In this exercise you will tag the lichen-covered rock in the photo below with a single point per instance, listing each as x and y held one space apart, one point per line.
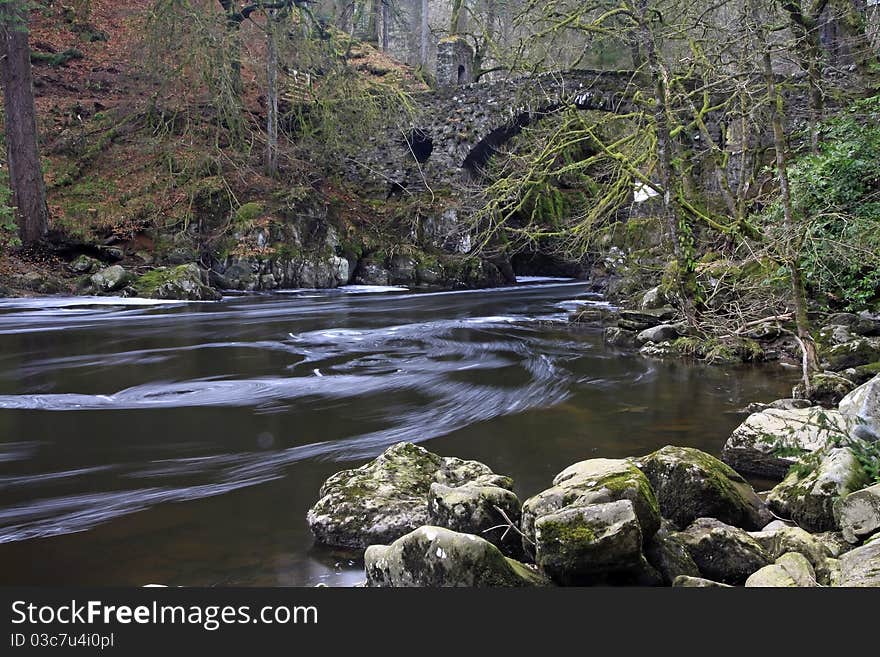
669 556
684 581
691 484
584 544
110 279
852 354
858 514
481 507
863 403
792 569
770 441
594 481
861 567
386 498
439 557
722 552
782 540
184 282
808 493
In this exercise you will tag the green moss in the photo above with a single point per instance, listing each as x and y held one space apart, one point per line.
248 212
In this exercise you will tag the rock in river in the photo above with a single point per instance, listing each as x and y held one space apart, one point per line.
858 514
594 481
790 570
769 442
388 497
723 553
861 567
863 403
435 557
691 484
808 493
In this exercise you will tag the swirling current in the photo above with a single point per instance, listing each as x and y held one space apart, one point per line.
182 443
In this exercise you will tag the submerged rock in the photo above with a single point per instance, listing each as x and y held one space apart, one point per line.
438 557
182 282
790 570
595 481
722 552
692 484
858 514
808 493
388 497
579 544
769 442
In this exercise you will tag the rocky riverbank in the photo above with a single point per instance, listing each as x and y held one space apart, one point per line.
675 517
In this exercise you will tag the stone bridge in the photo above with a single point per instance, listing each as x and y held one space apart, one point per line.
458 128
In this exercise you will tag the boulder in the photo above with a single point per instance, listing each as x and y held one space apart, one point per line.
619 337
182 282
388 497
438 557
370 272
858 514
402 270
808 493
769 442
669 556
790 570
684 581
110 279
480 507
785 539
639 320
656 334
826 388
863 403
860 351
83 264
722 552
594 481
653 299
588 544
861 567
691 484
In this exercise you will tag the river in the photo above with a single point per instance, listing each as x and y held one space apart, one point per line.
182 443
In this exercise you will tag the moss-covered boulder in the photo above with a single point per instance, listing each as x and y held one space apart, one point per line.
84 264
722 552
595 481
388 497
110 279
861 567
826 389
769 442
852 354
784 539
790 570
185 282
596 543
482 507
438 557
858 514
863 404
808 493
691 484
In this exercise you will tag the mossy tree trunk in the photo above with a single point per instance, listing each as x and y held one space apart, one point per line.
23 156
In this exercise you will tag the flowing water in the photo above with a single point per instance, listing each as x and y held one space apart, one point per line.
182 443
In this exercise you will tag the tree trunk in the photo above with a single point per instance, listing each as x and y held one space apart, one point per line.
792 236
23 157
425 35
271 94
